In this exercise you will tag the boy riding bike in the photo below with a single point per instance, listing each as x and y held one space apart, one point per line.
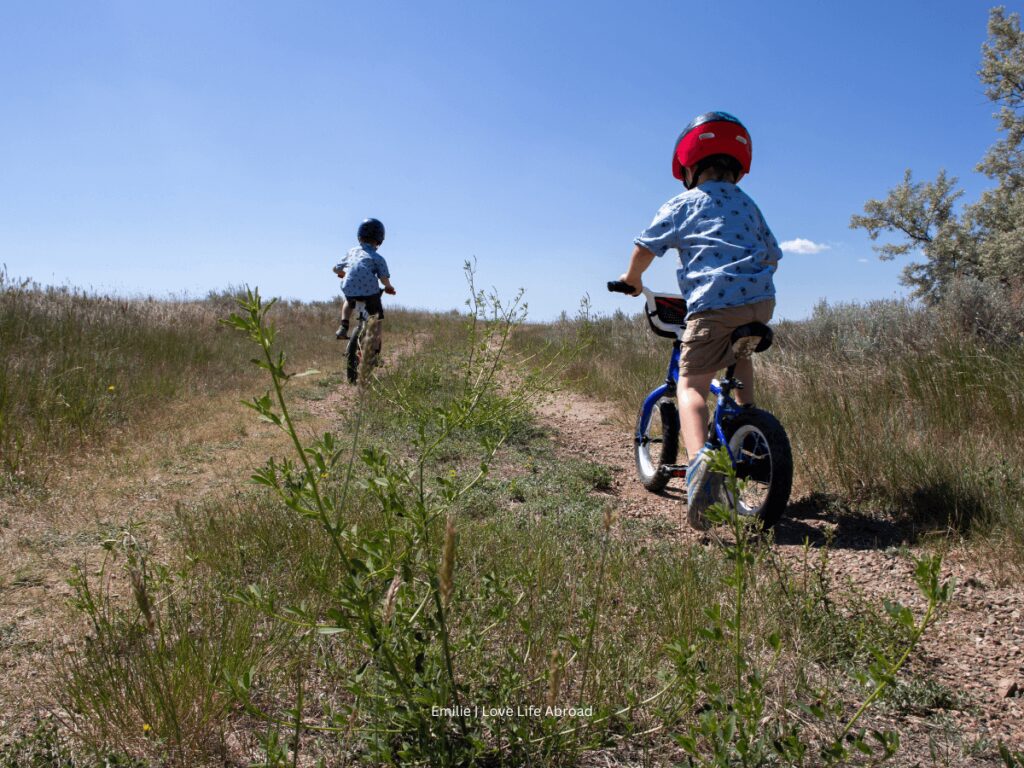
360 270
727 256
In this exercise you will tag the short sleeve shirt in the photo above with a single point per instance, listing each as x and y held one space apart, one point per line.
727 254
363 267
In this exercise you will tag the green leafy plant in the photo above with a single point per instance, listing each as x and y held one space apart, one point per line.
396 582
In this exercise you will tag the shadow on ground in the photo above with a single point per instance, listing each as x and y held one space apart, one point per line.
822 519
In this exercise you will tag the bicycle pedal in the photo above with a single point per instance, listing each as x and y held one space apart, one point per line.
673 470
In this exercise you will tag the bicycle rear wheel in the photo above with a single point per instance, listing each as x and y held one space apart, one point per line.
658 443
764 460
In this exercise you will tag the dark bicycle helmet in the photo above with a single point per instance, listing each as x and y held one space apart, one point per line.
710 134
371 230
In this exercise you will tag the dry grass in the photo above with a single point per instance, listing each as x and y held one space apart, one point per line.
189 453
78 369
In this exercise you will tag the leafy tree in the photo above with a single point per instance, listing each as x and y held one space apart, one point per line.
985 242
1002 73
997 219
922 213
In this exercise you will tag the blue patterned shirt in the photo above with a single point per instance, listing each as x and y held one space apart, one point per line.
727 254
363 266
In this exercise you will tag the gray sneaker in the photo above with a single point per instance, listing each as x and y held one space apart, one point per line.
699 491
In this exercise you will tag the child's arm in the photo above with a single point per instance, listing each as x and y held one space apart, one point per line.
384 275
638 264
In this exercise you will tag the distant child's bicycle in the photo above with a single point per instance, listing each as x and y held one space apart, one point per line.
358 342
755 440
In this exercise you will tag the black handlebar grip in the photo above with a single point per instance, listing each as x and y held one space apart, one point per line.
617 286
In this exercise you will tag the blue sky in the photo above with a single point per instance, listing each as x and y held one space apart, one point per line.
167 148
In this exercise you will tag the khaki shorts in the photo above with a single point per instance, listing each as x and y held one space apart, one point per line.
707 343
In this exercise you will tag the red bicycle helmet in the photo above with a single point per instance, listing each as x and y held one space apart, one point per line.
713 133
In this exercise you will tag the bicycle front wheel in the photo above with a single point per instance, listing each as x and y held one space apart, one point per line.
657 443
764 460
353 354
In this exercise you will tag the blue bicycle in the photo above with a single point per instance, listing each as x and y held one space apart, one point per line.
755 440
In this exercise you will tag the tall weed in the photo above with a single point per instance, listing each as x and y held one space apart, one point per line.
396 583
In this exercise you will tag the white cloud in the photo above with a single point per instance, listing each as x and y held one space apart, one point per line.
802 245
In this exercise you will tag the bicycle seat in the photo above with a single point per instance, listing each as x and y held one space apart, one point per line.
751 338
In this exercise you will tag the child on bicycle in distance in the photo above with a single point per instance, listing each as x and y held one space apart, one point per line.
360 270
727 256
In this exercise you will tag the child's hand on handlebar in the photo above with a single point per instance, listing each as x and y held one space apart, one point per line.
633 281
390 290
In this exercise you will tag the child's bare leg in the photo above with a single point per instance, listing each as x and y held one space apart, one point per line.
693 410
346 311
745 373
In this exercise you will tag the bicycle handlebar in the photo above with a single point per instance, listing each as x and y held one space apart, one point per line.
617 286
659 326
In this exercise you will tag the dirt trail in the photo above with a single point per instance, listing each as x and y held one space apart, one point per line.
976 649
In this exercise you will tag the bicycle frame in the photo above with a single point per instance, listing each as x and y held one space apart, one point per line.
725 405
361 311
358 342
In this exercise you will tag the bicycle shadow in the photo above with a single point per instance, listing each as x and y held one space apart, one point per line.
673 494
823 520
